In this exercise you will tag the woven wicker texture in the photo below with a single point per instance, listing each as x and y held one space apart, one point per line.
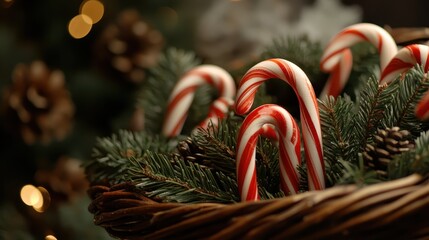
397 209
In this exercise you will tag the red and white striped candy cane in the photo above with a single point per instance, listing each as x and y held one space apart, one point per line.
309 110
405 59
337 58
274 118
340 73
184 91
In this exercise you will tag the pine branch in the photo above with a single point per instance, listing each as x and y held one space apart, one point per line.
338 137
110 155
155 93
218 144
170 179
372 101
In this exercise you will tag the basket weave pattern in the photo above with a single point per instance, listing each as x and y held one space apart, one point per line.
396 209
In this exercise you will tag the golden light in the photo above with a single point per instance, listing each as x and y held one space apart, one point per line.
50 237
37 197
93 9
80 26
43 204
30 195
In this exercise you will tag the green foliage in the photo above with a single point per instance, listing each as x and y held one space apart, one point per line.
347 125
169 178
336 117
372 102
110 154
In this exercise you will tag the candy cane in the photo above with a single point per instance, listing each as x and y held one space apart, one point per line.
184 91
276 118
340 73
338 62
309 110
405 59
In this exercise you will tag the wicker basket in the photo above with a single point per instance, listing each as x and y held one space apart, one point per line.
397 209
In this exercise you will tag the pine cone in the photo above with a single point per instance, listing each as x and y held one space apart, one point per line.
37 104
387 144
128 47
190 151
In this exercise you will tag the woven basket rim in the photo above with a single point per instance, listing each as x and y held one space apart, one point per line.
396 209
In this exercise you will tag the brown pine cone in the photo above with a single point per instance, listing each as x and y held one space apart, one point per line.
37 105
387 143
129 46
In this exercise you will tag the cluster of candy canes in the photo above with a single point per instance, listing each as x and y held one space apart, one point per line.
337 57
309 111
184 91
275 122
262 122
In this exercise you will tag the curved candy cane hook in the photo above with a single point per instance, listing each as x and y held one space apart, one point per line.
309 110
405 59
337 58
184 91
272 118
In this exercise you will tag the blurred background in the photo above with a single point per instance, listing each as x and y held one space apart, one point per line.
70 72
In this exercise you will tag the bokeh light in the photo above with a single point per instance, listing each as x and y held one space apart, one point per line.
30 195
80 26
93 9
50 237
36 197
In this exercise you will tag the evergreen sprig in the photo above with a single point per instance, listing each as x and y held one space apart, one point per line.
336 117
372 101
168 178
110 154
